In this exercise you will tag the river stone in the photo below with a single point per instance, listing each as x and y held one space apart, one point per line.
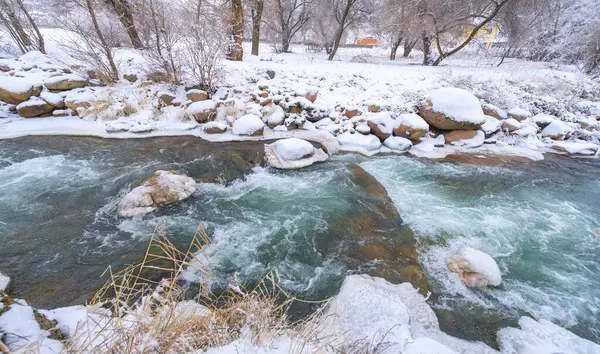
34 108
163 188
475 268
12 96
458 135
64 83
374 234
196 95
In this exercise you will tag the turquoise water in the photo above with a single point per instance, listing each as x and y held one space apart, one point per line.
539 221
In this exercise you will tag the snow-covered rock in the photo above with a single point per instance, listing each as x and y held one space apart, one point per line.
576 148
203 111
494 111
15 90
465 138
293 153
65 82
475 268
381 125
214 128
371 310
359 142
34 107
542 337
397 143
293 149
556 130
519 113
452 109
54 99
411 126
511 124
248 125
195 95
163 188
491 125
276 117
543 120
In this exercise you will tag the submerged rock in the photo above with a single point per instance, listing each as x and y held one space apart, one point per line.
475 268
163 188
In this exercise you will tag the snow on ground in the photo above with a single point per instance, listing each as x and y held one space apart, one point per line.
562 94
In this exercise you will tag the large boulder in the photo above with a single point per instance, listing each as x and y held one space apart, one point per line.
511 125
163 188
14 90
248 125
411 126
381 125
35 107
65 82
475 268
452 109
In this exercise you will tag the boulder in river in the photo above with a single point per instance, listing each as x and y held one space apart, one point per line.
163 188
452 109
475 268
293 153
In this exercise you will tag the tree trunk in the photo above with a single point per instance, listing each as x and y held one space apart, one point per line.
125 13
256 22
105 46
236 50
40 38
408 47
395 46
340 33
427 59
285 42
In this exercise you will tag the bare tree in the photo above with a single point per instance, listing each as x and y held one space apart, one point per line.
257 13
346 13
480 13
24 31
125 13
91 36
236 50
289 17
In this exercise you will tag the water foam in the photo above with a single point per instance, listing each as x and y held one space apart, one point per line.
540 235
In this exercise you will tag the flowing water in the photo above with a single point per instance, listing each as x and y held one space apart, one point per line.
540 221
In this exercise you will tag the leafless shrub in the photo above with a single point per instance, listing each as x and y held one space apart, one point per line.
91 35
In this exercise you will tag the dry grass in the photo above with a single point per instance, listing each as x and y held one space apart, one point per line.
142 309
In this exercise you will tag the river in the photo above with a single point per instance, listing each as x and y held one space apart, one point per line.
540 221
